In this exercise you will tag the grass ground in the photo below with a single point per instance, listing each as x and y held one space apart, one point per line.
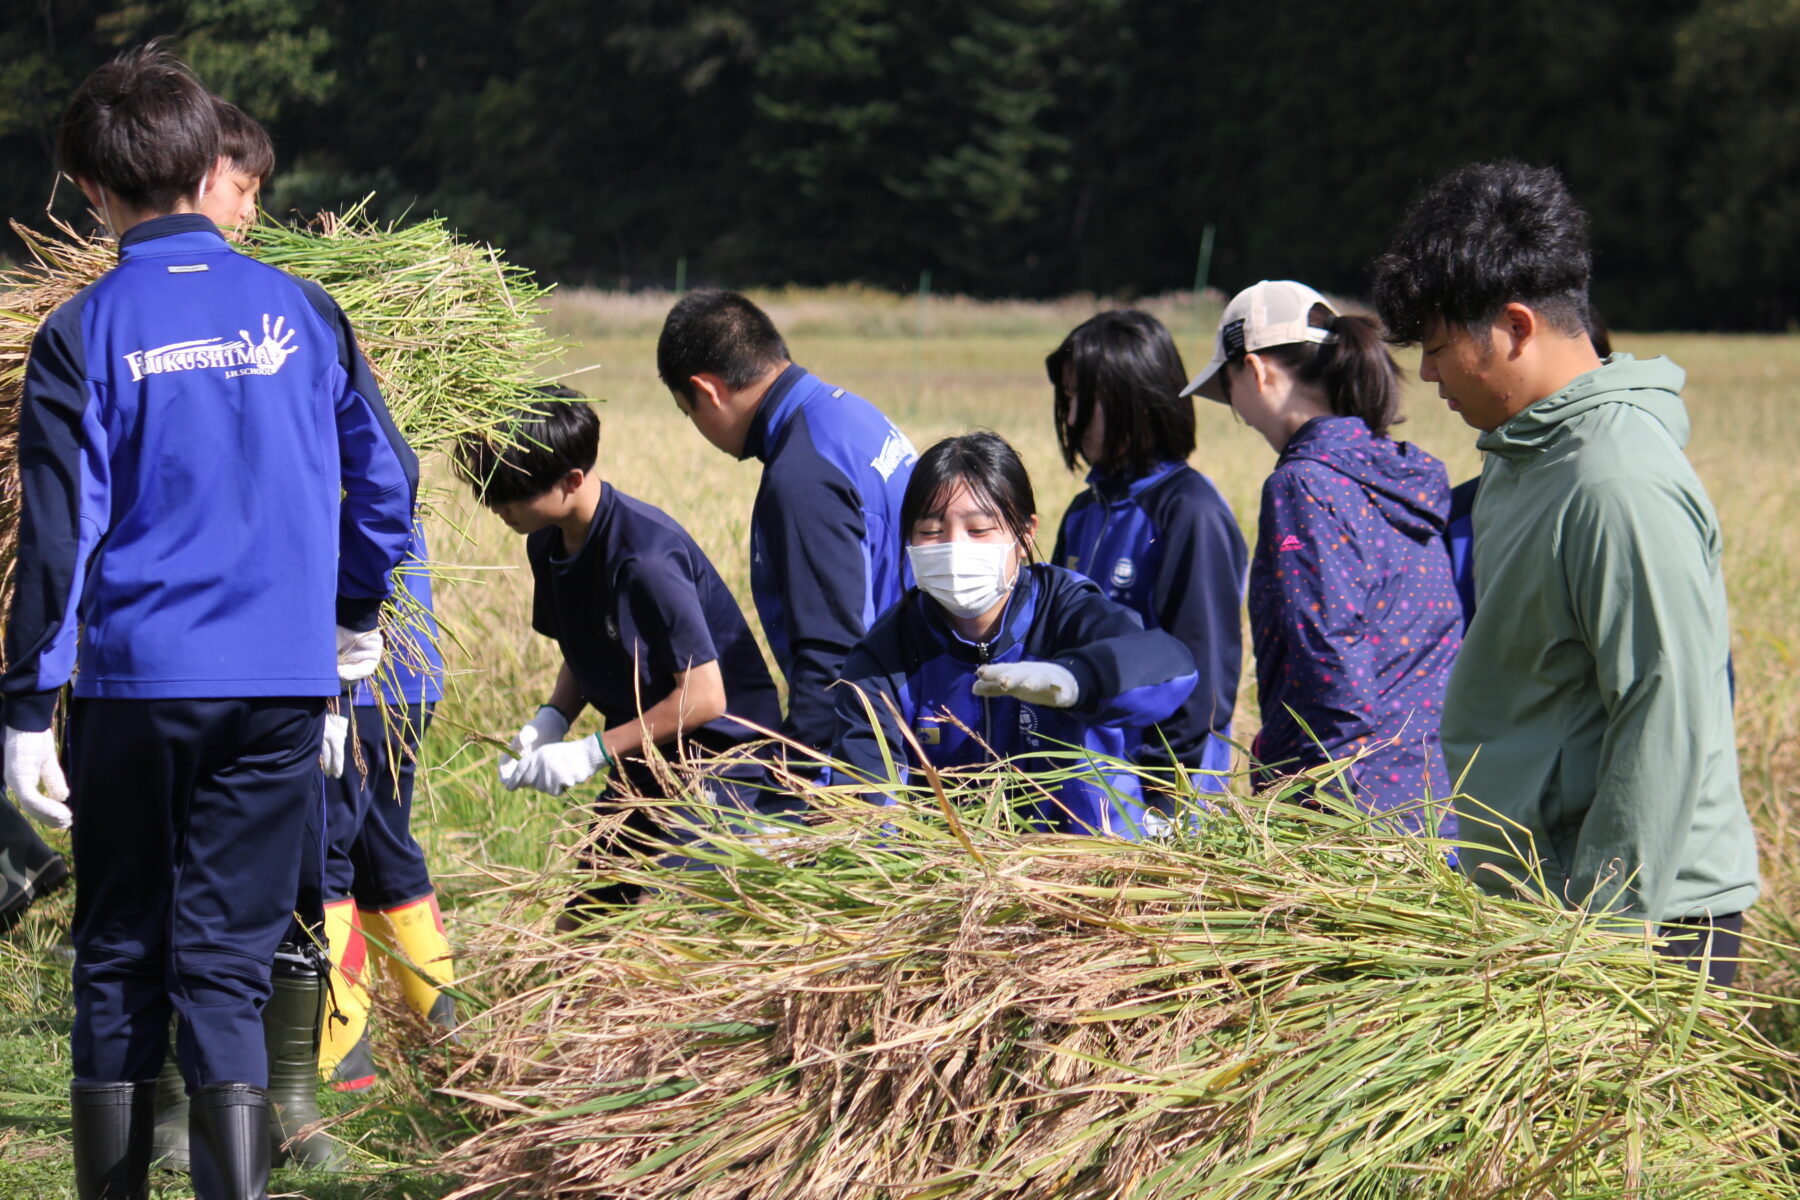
975 366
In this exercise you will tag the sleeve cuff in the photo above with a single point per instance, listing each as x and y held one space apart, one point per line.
357 614
32 712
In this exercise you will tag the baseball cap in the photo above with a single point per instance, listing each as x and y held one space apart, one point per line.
1271 313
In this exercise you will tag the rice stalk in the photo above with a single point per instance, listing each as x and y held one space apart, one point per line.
1274 1002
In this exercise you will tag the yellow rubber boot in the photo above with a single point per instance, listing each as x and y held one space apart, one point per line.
347 1009
421 958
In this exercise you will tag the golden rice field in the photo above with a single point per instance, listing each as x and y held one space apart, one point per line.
974 366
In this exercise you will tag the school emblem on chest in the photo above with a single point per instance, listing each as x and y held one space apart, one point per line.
1028 725
1123 572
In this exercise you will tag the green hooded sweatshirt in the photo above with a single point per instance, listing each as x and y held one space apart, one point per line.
1590 706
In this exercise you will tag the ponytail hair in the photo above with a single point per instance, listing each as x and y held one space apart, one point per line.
1359 376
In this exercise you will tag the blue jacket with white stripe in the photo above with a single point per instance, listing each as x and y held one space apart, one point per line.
1128 677
210 481
825 541
1167 546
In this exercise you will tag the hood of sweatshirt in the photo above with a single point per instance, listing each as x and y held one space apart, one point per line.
1408 486
1652 385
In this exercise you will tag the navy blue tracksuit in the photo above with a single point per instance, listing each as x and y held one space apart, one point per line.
211 482
1128 677
371 853
638 603
826 547
1167 546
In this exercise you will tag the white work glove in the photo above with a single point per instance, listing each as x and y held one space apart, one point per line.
31 761
358 654
557 767
549 725
337 736
1033 682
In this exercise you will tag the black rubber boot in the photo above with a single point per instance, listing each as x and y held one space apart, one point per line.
169 1140
443 1015
291 1024
111 1127
228 1142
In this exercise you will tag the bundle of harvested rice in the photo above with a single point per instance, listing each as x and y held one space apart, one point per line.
1285 1003
449 327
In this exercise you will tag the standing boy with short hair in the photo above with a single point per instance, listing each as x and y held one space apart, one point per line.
1589 705
247 159
825 541
650 635
213 498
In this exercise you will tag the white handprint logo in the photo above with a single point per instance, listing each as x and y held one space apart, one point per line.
246 356
273 350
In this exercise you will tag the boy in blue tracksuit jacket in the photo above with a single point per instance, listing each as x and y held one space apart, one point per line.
965 683
213 498
1154 533
825 546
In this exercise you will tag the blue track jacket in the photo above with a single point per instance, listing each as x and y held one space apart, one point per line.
412 667
825 540
210 482
1459 536
1354 612
1129 677
1166 546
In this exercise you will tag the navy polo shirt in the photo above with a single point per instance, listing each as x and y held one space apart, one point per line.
638 603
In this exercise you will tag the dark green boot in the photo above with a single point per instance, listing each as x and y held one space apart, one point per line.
169 1140
110 1124
228 1141
291 1024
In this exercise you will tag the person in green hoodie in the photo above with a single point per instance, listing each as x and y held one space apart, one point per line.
1588 712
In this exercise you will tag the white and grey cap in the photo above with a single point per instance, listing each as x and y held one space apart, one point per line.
1275 312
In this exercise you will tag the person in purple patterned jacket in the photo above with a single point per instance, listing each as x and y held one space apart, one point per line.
1353 606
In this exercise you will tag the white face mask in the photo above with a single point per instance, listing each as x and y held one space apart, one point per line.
967 578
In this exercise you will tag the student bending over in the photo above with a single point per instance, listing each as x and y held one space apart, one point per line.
650 635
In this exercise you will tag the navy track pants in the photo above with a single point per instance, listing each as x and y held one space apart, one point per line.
188 814
371 853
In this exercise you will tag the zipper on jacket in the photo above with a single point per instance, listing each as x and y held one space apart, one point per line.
987 712
1093 557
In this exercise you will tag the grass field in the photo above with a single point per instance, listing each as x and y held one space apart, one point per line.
975 366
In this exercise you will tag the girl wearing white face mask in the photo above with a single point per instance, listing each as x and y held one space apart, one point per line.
993 655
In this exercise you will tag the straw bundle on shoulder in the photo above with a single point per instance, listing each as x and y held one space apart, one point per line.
1287 1004
449 327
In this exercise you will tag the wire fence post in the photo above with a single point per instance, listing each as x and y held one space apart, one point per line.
919 341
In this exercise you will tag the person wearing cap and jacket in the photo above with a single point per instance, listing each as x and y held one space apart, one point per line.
1353 608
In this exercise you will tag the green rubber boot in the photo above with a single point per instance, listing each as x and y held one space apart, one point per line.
291 1025
169 1140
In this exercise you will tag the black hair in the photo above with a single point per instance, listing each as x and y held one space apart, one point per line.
548 439
717 333
993 473
1485 236
1126 365
244 142
1354 368
142 128
1598 333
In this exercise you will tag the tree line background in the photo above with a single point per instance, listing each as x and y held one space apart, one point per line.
1011 147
